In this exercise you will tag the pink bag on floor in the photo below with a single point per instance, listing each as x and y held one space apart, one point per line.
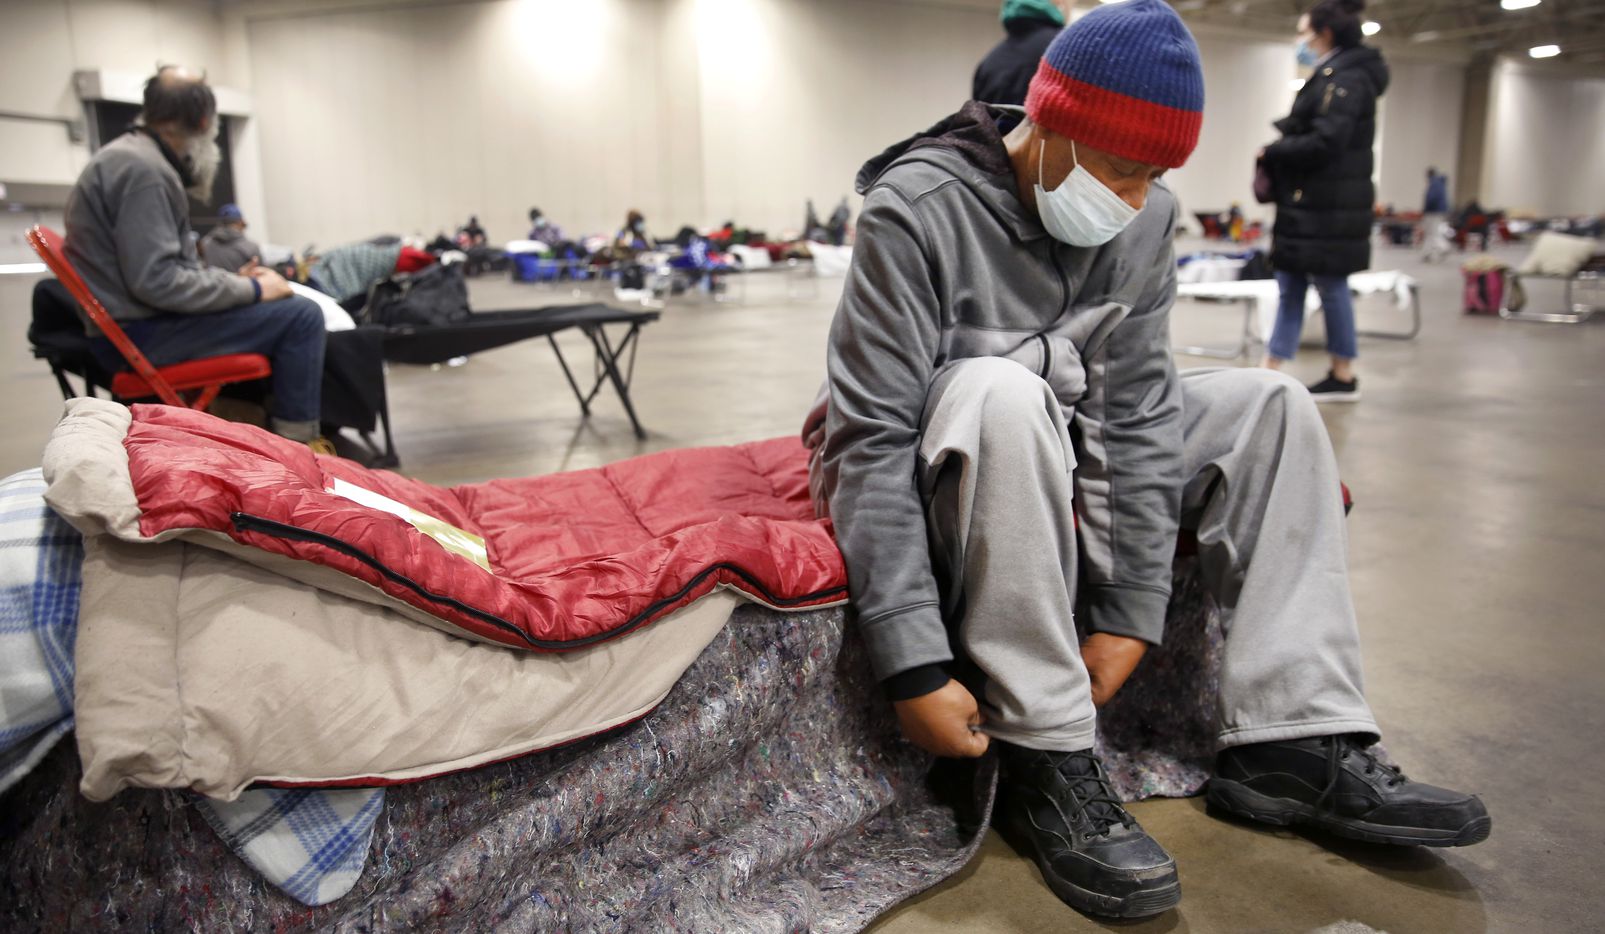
1485 289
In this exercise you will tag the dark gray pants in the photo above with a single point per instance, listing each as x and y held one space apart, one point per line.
996 469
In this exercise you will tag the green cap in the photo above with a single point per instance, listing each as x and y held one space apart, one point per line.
1041 9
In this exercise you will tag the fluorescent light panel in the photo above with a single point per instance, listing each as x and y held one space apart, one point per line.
1370 27
1518 4
20 269
1544 51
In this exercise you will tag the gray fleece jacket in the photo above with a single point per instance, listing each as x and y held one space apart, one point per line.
227 248
950 264
128 237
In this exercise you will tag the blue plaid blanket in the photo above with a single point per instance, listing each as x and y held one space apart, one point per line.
40 558
310 843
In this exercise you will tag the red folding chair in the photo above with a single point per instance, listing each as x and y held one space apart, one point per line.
202 378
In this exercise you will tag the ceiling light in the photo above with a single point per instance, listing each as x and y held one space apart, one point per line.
1297 84
1426 35
1370 27
1518 4
1544 51
21 269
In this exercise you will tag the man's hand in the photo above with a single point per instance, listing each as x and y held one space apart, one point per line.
940 722
1110 660
273 285
250 268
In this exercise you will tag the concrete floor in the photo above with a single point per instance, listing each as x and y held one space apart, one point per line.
1475 459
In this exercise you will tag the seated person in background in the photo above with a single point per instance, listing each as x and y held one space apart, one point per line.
1472 219
632 238
836 227
473 241
471 234
128 236
226 246
999 368
544 230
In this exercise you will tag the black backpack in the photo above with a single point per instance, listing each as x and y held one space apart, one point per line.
1257 267
434 295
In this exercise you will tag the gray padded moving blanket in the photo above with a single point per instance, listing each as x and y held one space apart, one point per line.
769 792
765 794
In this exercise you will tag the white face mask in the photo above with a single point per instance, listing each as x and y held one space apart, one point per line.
1082 211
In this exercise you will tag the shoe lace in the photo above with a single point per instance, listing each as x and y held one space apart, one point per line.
1091 796
1339 749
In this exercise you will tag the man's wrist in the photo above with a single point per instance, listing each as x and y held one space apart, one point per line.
914 682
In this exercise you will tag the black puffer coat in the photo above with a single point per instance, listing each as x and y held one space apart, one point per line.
1321 167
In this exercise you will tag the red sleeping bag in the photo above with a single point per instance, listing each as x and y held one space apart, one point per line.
546 563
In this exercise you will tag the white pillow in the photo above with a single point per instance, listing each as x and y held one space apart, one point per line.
1558 254
335 318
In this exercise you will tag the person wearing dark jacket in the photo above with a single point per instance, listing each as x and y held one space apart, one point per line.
1004 75
1434 214
1002 433
1321 172
226 246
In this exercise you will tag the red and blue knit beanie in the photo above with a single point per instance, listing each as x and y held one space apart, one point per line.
1125 79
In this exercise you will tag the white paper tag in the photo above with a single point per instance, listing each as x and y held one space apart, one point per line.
455 540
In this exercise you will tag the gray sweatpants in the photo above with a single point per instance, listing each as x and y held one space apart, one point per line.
995 469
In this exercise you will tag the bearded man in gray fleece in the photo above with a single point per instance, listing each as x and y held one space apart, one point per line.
1004 433
128 236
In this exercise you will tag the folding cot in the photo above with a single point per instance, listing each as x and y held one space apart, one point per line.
1258 298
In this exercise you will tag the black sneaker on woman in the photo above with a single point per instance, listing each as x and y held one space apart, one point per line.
1333 389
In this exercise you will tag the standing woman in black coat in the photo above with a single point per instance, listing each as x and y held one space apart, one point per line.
1321 172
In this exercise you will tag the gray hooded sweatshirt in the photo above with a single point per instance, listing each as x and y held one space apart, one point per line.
128 237
949 264
228 248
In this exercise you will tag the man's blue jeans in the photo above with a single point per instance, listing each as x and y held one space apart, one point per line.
1335 304
289 332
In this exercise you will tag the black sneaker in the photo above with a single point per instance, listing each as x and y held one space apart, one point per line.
1337 784
1333 389
1092 854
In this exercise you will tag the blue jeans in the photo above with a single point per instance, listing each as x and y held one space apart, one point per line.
289 332
1335 304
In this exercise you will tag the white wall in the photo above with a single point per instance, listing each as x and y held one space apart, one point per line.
408 119
1546 142
796 96
43 41
1418 127
407 115
1247 85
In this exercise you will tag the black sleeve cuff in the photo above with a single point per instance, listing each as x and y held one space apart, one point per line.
915 682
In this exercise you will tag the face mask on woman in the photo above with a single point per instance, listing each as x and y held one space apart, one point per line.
1306 55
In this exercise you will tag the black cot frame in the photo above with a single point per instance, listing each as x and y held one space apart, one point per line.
614 362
